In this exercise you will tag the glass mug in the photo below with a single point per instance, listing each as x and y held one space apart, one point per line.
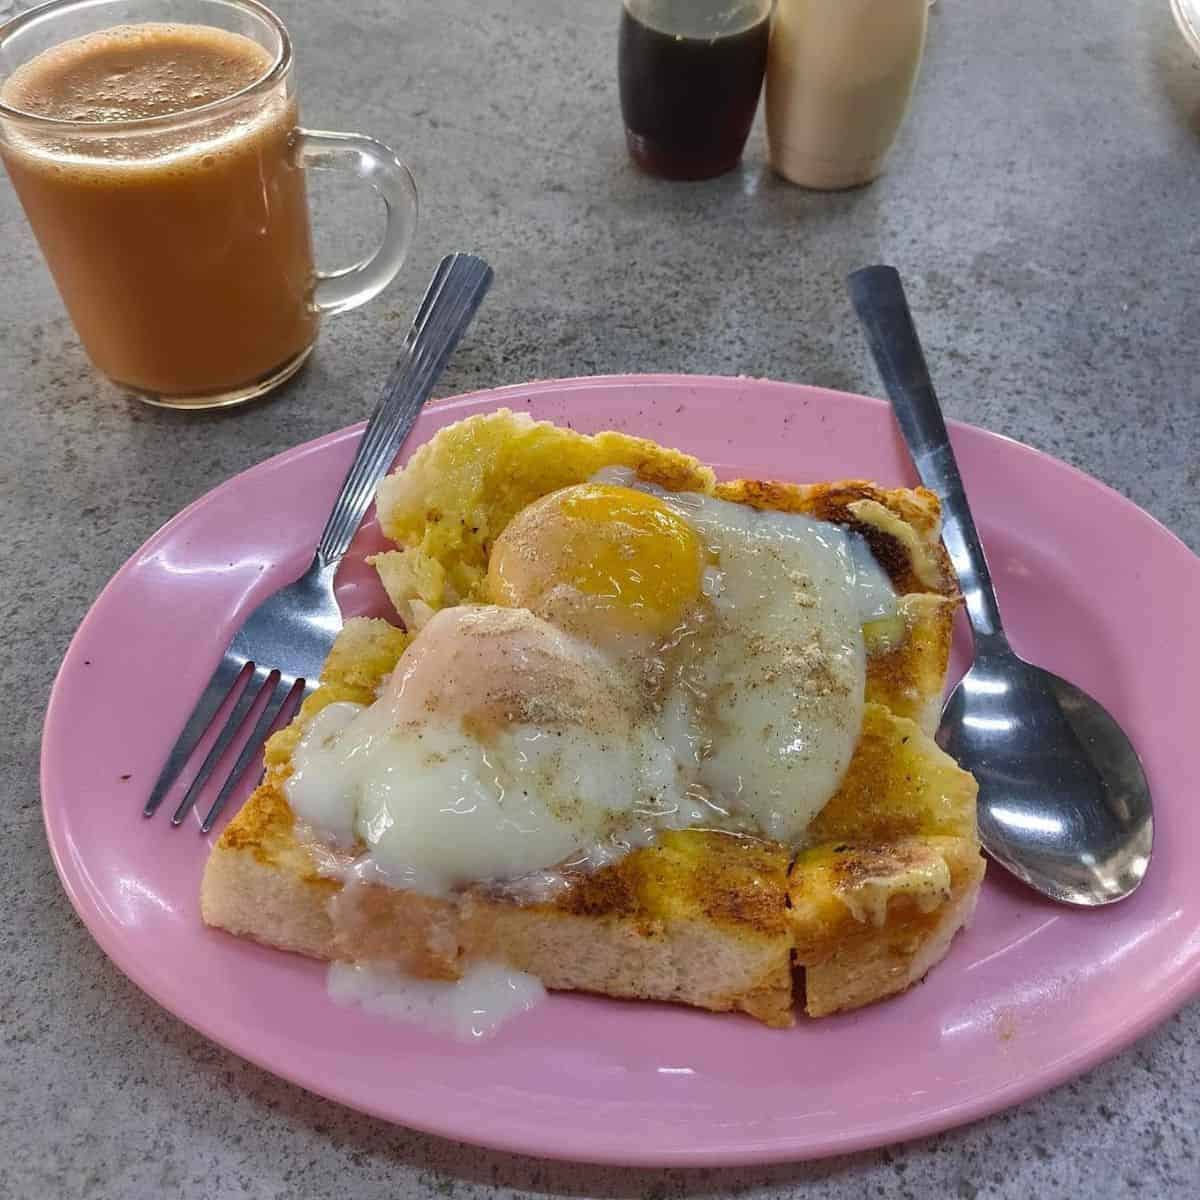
155 149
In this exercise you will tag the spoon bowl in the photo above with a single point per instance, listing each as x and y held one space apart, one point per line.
1063 800
1065 803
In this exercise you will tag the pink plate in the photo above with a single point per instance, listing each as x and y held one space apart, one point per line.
1031 995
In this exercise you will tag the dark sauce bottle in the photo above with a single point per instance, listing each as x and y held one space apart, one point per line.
690 74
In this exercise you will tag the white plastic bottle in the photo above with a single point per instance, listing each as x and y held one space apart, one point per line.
839 77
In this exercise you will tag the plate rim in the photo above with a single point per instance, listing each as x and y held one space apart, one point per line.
1187 17
740 1152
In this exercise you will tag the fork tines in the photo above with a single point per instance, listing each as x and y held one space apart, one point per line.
296 625
250 683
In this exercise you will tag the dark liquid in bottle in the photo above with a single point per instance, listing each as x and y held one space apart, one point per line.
688 102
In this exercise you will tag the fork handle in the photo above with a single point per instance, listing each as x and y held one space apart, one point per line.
454 295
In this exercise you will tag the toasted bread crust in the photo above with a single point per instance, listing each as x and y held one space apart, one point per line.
651 926
852 964
901 525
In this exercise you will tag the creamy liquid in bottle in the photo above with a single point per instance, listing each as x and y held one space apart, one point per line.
839 77
183 253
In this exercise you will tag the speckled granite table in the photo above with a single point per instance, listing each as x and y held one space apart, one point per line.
1042 203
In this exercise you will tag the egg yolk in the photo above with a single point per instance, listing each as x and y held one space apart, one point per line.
597 557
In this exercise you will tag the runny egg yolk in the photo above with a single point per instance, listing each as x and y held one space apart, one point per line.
600 560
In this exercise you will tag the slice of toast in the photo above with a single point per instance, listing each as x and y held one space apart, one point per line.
892 864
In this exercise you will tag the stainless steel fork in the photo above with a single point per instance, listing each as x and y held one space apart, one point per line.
280 648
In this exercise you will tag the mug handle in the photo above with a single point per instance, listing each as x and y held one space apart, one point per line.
385 171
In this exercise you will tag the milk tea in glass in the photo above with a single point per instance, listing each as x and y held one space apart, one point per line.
155 148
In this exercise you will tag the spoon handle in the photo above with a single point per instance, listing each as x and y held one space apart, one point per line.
878 298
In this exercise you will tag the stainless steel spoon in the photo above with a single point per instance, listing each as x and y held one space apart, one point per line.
1063 800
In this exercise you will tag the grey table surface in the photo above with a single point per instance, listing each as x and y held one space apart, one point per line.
1042 204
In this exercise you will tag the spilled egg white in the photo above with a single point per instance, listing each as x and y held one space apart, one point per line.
652 661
